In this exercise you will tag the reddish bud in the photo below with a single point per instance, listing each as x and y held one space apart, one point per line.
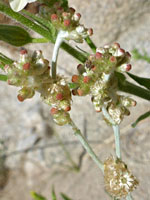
75 78
49 67
112 59
53 111
98 55
26 66
128 67
20 98
72 10
100 110
66 22
86 79
65 14
90 31
134 103
93 67
59 96
9 82
74 92
116 45
68 108
122 51
128 54
80 92
78 14
54 17
23 51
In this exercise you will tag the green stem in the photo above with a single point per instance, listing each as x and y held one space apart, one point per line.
91 44
3 77
73 52
130 88
86 145
117 140
39 40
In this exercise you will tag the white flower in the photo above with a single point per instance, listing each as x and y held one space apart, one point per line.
18 5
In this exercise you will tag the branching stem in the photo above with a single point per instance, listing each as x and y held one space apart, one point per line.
86 145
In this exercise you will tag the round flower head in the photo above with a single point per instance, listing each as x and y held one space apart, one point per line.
31 73
97 78
119 181
66 20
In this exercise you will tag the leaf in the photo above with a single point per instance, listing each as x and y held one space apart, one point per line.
37 196
142 117
50 3
53 194
142 81
5 59
3 77
65 197
14 35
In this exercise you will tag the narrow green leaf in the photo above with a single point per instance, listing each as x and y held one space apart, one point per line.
50 3
54 194
14 35
142 117
126 86
25 21
3 77
37 196
5 59
65 197
142 81
91 44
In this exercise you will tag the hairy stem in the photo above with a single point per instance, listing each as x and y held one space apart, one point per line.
86 145
116 131
117 140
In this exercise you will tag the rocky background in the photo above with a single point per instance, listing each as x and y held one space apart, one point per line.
34 146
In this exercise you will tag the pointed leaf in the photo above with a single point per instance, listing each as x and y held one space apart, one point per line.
65 197
37 196
3 77
142 117
142 81
14 35
54 194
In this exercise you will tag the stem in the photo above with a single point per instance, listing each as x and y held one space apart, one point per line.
91 44
129 197
116 131
117 140
58 43
39 40
86 145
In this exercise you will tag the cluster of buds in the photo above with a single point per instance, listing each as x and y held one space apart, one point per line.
119 181
31 73
66 20
97 78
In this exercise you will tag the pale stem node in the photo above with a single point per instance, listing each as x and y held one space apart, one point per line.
60 37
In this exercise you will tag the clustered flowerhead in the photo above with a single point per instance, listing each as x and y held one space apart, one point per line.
97 78
66 20
119 181
31 73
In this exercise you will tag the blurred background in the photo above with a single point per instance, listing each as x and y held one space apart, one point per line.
38 153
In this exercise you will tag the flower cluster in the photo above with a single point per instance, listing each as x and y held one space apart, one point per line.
66 20
119 181
97 78
31 73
